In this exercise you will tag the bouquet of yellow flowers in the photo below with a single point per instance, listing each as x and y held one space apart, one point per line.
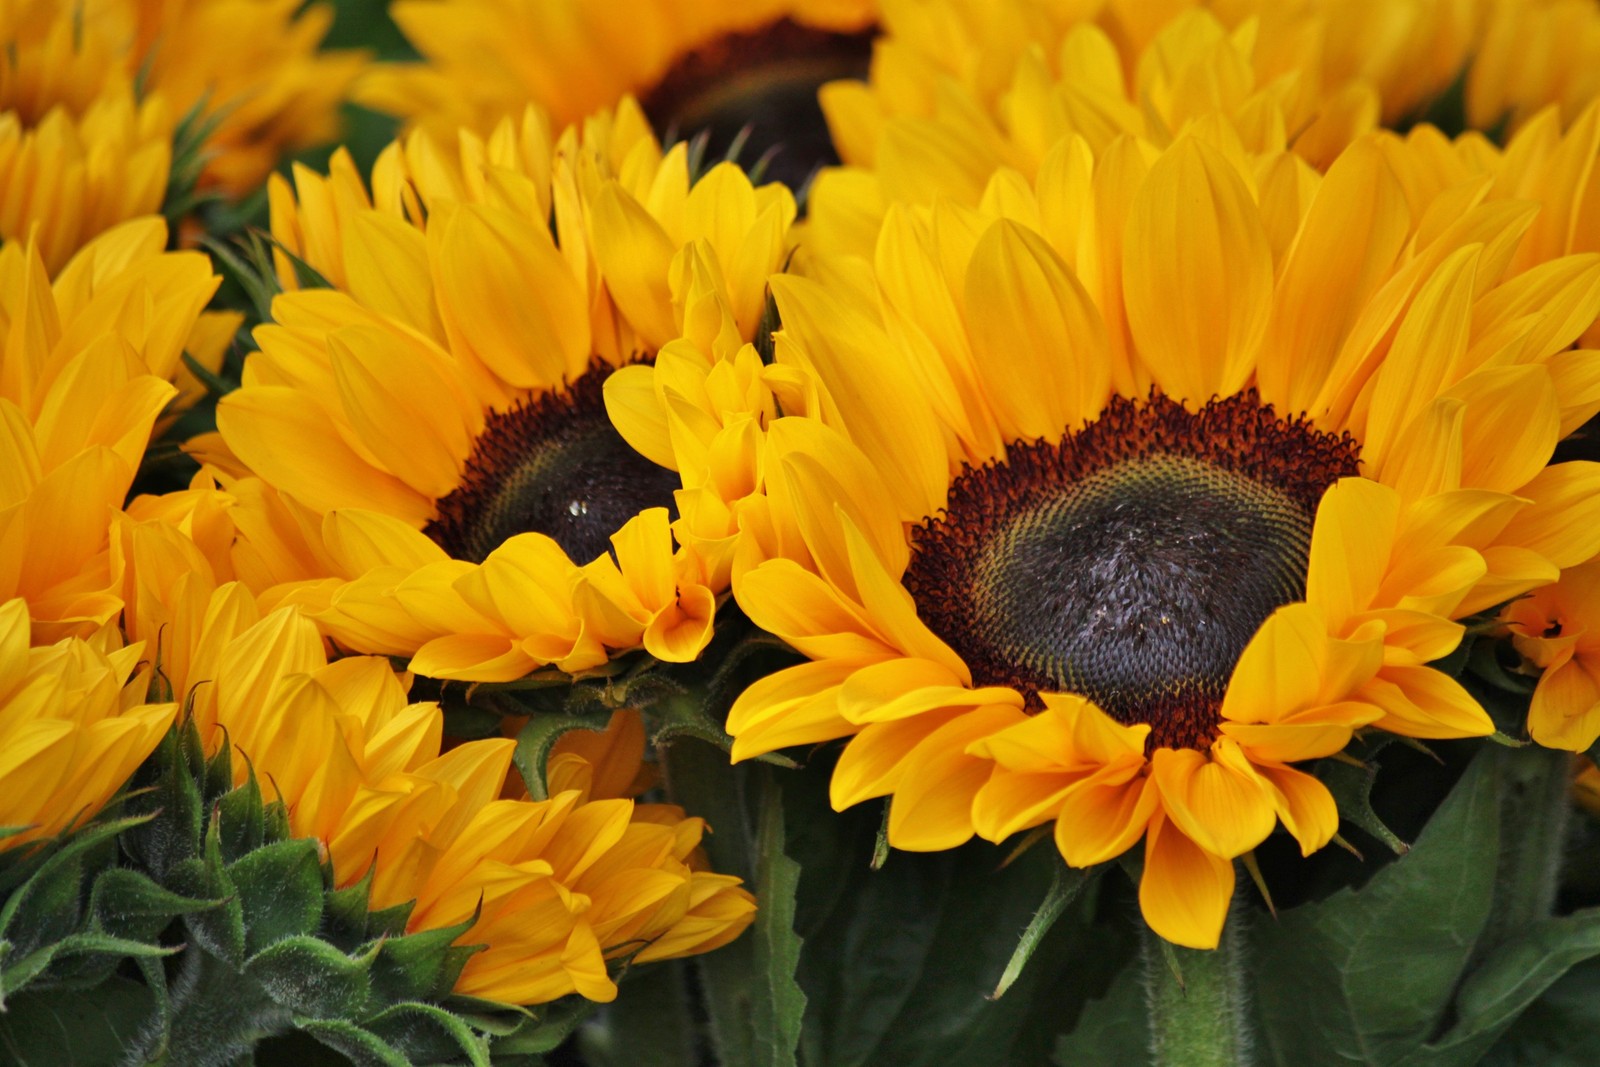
806 533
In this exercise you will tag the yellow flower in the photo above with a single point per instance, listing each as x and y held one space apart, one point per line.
1191 462
83 378
1557 630
82 149
73 727
487 59
272 90
446 414
959 90
560 885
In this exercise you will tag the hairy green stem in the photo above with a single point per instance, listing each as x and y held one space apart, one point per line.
1199 1016
1536 800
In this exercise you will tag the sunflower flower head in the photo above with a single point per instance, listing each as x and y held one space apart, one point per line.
79 151
500 427
747 74
552 888
1186 483
92 97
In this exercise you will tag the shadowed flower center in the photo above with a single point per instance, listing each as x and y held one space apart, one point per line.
766 80
552 465
1133 561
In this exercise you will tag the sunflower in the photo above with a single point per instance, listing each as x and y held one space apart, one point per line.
73 727
697 64
78 151
553 888
272 92
83 380
960 90
92 93
1183 483
447 411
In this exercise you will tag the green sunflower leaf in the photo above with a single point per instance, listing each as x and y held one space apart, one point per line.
1113 1030
649 1024
898 965
1507 981
75 1028
1367 974
1560 1029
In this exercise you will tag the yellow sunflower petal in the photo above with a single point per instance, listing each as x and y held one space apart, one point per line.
1185 890
1198 317
932 809
1218 799
1039 342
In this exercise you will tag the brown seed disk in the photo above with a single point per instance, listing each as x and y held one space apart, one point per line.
1132 561
766 80
552 465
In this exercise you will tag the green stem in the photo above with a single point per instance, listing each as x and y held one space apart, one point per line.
1536 801
1198 1011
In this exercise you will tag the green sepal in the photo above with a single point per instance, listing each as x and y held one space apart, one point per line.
517 1031
1065 885
216 385
243 817
305 275
190 154
220 931
125 902
280 892
173 801
538 737
49 899
1351 785
427 1033
423 965
44 918
347 920
359 1046
771 322
310 977
19 972
252 271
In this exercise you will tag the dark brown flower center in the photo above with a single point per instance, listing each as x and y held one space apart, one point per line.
552 465
767 81
1133 561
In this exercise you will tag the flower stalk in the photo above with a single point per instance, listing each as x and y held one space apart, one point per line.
1197 1002
1536 786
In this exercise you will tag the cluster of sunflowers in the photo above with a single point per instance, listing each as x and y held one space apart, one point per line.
973 496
